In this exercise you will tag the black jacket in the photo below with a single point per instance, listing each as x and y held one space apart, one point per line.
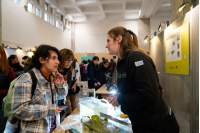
102 72
93 74
141 93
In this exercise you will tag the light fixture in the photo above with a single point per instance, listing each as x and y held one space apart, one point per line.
19 48
149 37
145 39
5 46
182 6
166 24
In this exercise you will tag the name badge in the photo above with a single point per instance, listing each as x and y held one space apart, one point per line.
139 63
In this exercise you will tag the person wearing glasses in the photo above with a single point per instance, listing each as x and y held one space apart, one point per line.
65 68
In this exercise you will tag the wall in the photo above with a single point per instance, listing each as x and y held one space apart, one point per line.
143 31
91 37
155 22
26 29
181 91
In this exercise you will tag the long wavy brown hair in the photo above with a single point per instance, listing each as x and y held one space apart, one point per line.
128 42
65 54
4 62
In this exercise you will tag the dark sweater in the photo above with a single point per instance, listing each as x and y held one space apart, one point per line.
93 73
141 93
18 69
102 72
5 82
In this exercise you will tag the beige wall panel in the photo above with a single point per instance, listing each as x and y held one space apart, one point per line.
79 55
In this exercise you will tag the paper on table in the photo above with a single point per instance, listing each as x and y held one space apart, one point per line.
75 117
75 125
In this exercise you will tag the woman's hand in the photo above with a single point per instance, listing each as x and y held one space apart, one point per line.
113 100
59 80
99 83
74 87
58 110
65 79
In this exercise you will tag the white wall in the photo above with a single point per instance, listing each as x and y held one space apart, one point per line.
26 29
155 22
91 37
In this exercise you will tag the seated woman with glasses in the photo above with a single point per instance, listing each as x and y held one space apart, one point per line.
65 68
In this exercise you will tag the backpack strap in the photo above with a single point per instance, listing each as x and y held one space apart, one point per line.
34 82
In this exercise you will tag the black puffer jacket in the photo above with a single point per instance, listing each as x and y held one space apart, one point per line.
141 93
102 72
93 74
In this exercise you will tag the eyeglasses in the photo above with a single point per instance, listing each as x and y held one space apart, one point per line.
69 61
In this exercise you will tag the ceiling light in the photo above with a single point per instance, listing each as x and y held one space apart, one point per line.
181 7
166 24
19 48
149 36
145 39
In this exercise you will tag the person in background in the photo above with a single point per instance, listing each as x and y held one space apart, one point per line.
86 64
7 75
93 73
14 63
110 64
27 65
40 113
66 69
88 61
81 70
140 94
113 73
103 70
114 59
100 62
24 60
76 70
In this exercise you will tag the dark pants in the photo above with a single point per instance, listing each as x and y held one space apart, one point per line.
168 125
3 119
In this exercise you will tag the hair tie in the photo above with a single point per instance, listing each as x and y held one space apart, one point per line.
130 32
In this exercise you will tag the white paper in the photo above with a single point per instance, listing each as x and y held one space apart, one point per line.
75 125
75 117
173 47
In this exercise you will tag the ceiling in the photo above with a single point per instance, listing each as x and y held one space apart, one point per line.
96 10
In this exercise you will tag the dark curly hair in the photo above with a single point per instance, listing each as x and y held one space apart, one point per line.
44 52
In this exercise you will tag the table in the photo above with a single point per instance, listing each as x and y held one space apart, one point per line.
103 91
66 121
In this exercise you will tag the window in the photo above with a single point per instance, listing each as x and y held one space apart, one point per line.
46 6
17 1
30 7
51 20
51 10
46 17
37 11
38 2
61 17
61 26
57 24
57 14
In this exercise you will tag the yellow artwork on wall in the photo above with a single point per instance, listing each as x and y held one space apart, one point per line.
177 51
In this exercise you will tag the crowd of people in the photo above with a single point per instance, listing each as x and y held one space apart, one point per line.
48 81
92 71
